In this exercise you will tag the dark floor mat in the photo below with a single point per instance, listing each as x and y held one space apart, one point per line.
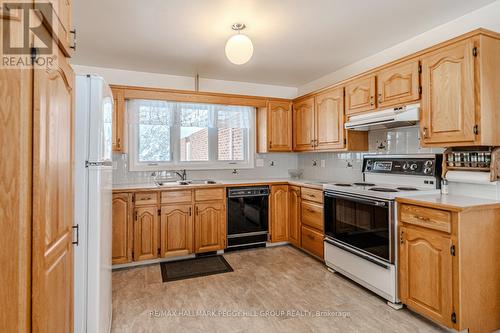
196 267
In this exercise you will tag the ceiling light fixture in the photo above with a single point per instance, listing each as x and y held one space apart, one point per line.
239 48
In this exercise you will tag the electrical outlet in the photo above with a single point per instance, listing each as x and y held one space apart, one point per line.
323 163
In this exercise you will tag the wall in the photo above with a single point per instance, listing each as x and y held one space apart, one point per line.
154 80
485 17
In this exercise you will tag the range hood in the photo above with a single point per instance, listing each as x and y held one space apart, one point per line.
407 115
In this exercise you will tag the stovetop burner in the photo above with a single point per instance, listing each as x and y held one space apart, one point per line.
407 188
364 184
345 185
383 189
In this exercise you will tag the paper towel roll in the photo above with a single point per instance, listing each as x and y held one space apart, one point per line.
471 177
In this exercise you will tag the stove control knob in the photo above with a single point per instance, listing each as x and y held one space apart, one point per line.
369 162
406 166
413 167
428 163
427 171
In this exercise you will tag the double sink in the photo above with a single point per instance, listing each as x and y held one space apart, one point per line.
186 182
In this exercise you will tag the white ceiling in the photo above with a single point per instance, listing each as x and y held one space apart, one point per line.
295 41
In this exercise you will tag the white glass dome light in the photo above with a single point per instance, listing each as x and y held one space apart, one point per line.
239 48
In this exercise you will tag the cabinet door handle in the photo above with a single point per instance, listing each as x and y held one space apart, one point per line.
424 132
380 98
197 211
312 143
144 199
421 218
189 211
401 237
372 103
118 143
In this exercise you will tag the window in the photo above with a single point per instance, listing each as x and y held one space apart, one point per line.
175 135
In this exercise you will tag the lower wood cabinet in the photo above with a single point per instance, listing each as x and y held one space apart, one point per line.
312 241
210 225
294 215
146 233
425 266
279 213
176 230
122 228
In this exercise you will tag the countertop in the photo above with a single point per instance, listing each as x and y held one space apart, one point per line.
450 201
317 184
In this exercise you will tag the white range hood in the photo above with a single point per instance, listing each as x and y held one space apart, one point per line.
396 117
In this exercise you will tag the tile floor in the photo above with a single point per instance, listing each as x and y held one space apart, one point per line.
277 289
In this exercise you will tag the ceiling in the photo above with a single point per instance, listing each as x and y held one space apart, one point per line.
295 41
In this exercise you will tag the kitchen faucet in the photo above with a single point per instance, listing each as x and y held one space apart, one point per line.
182 174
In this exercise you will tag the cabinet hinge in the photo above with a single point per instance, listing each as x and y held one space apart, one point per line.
475 129
420 69
454 317
474 51
159 212
159 251
345 141
133 255
452 250
133 197
420 90
135 215
76 228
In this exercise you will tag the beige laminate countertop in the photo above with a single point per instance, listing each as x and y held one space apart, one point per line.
451 201
316 184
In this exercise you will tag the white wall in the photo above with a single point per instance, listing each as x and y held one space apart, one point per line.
155 80
486 17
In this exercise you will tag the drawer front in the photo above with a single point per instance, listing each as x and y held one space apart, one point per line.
426 217
312 215
146 198
209 194
181 196
312 241
312 194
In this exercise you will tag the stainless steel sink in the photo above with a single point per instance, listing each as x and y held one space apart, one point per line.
186 182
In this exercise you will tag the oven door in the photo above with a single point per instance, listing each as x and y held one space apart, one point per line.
361 225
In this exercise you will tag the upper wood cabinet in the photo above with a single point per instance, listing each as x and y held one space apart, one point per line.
398 84
329 120
294 215
448 82
210 226
122 228
360 95
56 17
303 125
146 233
279 213
460 93
425 273
176 230
118 119
274 127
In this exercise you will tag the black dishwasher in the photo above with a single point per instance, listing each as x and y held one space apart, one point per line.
247 216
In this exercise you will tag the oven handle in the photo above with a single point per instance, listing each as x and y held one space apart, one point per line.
356 253
356 199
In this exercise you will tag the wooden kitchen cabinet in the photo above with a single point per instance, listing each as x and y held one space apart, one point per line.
398 84
329 120
122 228
360 95
446 271
311 221
294 215
303 125
279 213
176 230
460 93
274 127
118 119
425 273
210 226
58 20
146 233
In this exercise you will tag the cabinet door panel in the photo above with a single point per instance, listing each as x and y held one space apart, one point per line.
146 233
398 84
210 224
294 216
56 15
279 213
279 124
425 273
118 123
52 252
303 125
122 228
176 230
448 110
329 120
360 95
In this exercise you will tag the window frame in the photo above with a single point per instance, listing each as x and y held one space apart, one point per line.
176 163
